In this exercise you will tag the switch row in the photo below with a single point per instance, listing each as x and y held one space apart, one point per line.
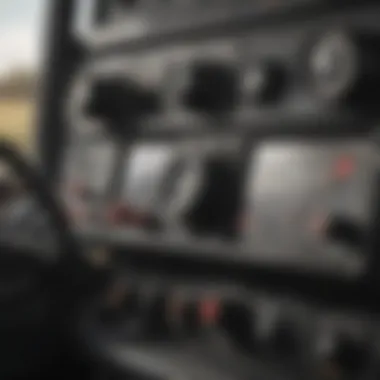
161 318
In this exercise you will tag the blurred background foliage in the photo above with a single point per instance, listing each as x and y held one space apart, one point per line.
17 100
22 34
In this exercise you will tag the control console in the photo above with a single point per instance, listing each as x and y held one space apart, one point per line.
225 154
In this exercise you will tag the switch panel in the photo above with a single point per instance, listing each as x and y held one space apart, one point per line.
311 199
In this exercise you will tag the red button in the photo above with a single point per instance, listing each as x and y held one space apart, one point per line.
344 167
124 215
209 311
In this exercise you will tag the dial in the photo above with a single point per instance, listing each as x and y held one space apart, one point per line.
333 64
342 66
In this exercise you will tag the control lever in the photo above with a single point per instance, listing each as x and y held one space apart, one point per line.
213 87
154 319
215 207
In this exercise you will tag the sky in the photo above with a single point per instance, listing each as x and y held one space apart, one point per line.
21 25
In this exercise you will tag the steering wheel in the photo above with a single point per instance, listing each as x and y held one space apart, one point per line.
36 295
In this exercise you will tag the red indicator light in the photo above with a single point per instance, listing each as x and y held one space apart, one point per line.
209 311
344 167
124 215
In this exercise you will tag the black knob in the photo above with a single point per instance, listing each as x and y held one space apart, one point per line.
213 87
119 305
263 82
129 315
154 318
131 303
116 101
190 319
345 231
284 339
349 356
238 321
343 65
184 318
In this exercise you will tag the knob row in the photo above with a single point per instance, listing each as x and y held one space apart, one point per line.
338 65
159 317
164 317
214 87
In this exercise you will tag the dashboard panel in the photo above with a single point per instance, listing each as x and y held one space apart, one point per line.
261 72
225 154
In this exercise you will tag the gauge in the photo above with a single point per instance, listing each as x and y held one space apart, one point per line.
333 65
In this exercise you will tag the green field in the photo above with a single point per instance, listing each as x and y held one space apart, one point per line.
16 121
